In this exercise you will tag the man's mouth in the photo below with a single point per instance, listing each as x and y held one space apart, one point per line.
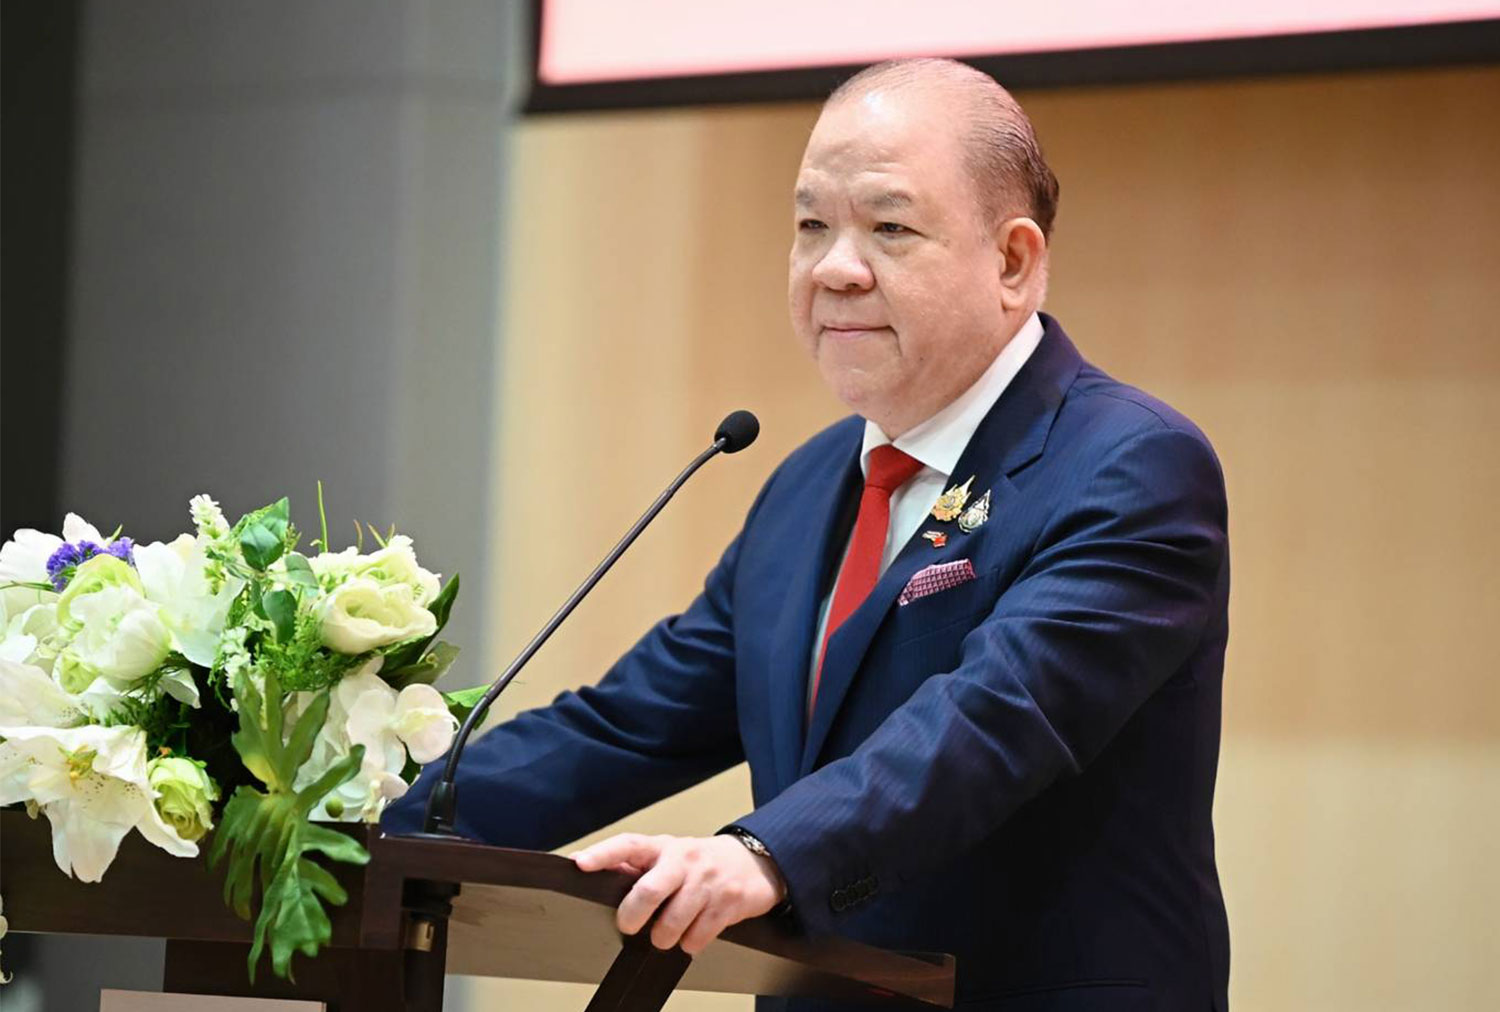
853 329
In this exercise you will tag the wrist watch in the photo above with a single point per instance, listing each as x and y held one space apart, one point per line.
753 844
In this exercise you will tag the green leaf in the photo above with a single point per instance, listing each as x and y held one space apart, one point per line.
462 702
266 836
323 545
442 605
300 571
280 607
250 741
260 546
277 516
304 734
426 671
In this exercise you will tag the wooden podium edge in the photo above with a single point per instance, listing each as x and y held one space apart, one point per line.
927 978
192 915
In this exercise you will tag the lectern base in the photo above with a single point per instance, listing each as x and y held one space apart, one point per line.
641 978
348 980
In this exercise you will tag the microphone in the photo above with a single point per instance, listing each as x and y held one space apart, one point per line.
737 431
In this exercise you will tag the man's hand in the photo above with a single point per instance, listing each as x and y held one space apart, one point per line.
706 884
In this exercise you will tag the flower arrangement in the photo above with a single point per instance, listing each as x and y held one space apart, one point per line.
223 682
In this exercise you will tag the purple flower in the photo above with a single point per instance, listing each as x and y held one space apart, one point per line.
122 549
65 561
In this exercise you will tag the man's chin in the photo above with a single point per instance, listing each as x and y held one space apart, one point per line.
864 392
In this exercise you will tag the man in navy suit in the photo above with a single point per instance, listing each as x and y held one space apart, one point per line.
970 642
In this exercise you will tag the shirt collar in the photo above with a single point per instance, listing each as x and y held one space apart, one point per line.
940 441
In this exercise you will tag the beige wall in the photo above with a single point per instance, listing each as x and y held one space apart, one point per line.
1308 267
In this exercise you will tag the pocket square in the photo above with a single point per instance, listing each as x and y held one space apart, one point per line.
936 577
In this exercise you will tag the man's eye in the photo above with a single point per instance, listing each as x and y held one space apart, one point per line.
891 228
810 225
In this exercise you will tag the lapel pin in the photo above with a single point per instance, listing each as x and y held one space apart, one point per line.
951 503
974 517
938 538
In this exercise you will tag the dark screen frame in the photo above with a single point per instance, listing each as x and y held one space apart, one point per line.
1430 45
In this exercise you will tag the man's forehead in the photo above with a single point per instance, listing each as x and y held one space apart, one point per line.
878 191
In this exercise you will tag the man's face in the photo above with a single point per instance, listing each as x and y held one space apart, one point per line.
894 284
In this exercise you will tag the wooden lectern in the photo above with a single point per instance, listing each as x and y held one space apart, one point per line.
516 913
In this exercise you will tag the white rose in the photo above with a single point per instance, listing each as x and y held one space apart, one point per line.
397 563
361 615
333 567
185 794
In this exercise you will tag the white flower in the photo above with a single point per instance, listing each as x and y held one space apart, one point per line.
23 559
76 529
332 568
25 635
396 563
119 636
174 577
366 711
30 698
360 615
416 720
208 518
4 927
91 784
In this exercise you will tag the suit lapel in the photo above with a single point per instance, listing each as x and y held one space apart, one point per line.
829 514
1010 436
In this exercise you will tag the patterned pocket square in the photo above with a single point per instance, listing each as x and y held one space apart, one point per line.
939 576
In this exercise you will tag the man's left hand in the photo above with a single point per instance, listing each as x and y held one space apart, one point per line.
701 884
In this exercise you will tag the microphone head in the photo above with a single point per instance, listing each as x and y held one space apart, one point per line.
738 430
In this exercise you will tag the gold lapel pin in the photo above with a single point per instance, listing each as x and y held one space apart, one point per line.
951 503
974 517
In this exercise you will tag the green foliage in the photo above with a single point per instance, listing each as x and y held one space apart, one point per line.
267 837
425 671
462 702
280 607
300 662
164 719
323 545
265 534
299 570
259 546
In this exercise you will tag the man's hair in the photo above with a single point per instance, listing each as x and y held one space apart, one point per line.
1005 160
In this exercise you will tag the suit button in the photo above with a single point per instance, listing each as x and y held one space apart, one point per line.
840 901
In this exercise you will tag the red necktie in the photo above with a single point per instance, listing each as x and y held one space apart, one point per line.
889 470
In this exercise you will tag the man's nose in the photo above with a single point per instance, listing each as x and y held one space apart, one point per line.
842 268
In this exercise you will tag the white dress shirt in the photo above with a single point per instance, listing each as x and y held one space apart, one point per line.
937 443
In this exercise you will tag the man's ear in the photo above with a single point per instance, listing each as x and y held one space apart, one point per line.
1024 264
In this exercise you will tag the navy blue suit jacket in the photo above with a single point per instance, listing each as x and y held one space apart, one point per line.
1018 770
